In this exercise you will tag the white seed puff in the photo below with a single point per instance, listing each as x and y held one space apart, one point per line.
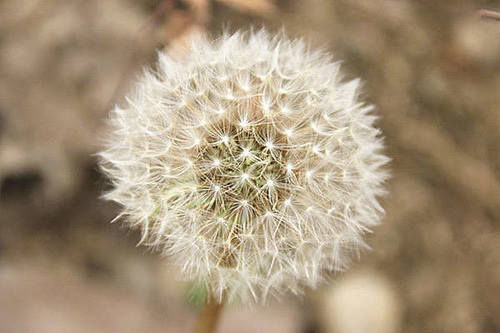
249 163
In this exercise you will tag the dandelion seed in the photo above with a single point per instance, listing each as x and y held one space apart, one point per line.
225 139
246 153
269 145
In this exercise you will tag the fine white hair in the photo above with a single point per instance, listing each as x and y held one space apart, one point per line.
250 163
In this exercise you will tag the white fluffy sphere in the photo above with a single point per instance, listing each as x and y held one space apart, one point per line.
249 163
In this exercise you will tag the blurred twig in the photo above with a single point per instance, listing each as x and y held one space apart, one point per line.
489 14
259 7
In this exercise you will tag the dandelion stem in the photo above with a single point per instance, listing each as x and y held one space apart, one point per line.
208 317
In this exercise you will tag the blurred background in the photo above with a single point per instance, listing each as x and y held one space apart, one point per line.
431 67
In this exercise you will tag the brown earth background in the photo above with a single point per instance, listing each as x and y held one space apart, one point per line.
432 68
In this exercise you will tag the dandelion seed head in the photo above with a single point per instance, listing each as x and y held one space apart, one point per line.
251 163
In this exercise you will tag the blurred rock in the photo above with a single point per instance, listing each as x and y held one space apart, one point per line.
361 302
477 40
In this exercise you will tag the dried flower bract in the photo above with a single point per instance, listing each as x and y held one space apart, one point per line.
250 163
